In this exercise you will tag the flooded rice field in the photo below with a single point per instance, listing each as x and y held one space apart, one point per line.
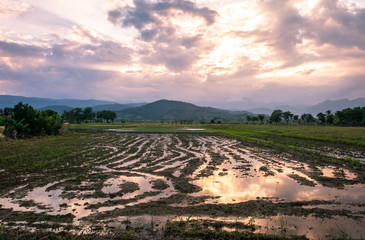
130 179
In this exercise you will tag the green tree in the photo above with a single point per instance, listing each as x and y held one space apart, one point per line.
73 116
308 118
339 118
276 116
329 117
321 118
287 116
51 122
88 114
106 115
25 121
7 111
261 117
29 116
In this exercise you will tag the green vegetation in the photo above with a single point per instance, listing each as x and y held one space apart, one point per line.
42 153
346 117
78 115
24 121
332 134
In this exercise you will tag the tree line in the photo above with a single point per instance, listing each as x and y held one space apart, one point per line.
79 115
346 117
24 121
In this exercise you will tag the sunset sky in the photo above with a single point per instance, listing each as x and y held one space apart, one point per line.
298 52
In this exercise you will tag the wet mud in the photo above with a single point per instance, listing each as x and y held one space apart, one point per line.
220 182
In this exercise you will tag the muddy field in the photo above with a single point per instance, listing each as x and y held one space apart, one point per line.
142 181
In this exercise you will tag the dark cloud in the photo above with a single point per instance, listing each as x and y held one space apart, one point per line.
145 12
284 33
338 25
190 42
114 16
149 35
330 22
175 59
105 52
154 21
24 50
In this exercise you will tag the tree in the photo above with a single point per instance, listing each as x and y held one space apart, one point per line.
248 118
7 111
73 116
1 111
88 114
276 116
30 117
261 117
321 118
329 117
51 122
307 117
296 117
25 121
287 116
106 115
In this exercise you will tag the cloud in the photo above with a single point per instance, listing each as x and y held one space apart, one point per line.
14 8
55 81
167 43
144 12
338 24
85 34
23 50
104 52
265 50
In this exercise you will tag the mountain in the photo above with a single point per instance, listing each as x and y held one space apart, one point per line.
116 106
10 101
267 111
57 108
168 110
335 105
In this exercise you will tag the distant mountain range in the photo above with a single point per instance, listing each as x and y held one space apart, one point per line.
167 110
172 110
335 105
10 101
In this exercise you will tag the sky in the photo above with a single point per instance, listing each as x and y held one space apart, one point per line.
232 52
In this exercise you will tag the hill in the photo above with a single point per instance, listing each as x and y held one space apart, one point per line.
57 108
10 101
335 105
116 106
168 110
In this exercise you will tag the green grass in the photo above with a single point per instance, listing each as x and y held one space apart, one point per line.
335 134
31 155
341 135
